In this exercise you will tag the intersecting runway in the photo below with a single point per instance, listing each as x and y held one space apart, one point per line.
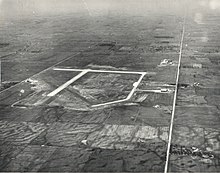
101 86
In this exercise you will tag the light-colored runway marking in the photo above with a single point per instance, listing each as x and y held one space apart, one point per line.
109 103
160 91
103 71
135 85
174 99
56 91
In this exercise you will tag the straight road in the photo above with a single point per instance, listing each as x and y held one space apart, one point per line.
172 44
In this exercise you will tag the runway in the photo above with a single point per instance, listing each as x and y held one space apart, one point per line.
109 86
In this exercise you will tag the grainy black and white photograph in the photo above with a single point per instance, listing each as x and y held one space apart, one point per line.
110 86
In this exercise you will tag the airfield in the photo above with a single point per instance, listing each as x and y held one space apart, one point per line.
110 86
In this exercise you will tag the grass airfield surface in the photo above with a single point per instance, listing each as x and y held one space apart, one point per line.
89 86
